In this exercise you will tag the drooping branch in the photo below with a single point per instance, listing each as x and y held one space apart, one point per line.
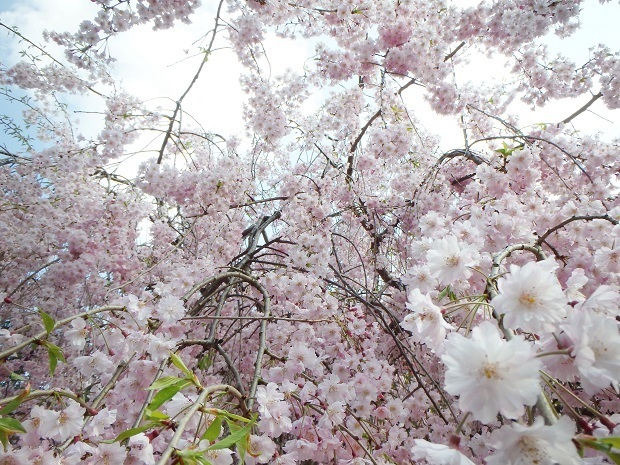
198 404
454 52
58 324
542 239
252 281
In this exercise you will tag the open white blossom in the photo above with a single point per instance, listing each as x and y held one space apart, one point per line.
596 349
260 449
170 309
530 297
64 424
438 454
141 449
426 322
448 262
274 411
491 375
333 416
604 300
540 444
574 284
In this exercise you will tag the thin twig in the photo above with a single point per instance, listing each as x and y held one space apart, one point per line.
180 428
58 324
583 108
177 108
455 51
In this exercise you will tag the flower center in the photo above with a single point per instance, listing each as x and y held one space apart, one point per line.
490 370
528 300
452 261
531 448
598 349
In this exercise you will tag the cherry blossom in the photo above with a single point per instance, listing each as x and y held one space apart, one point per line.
64 424
596 349
530 297
336 279
539 443
426 323
438 454
447 261
491 375
260 449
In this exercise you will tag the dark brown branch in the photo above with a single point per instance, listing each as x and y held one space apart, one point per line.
356 143
380 318
550 231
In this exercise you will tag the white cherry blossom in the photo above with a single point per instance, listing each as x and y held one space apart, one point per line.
448 261
489 374
438 454
530 297
537 444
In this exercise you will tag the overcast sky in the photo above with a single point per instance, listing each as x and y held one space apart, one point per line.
154 64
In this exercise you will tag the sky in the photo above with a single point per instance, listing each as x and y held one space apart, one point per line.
156 65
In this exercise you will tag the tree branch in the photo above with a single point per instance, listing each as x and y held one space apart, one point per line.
583 108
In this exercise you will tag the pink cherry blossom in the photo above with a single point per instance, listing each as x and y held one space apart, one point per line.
358 280
260 449
595 348
108 454
64 424
426 321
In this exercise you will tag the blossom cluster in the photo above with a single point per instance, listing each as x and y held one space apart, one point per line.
336 288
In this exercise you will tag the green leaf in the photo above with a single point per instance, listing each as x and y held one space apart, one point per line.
214 429
55 354
191 457
133 431
205 362
12 405
48 321
177 362
156 415
167 393
4 439
11 425
614 441
232 416
8 408
164 382
15 377
602 444
443 293
15 403
242 447
234 438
